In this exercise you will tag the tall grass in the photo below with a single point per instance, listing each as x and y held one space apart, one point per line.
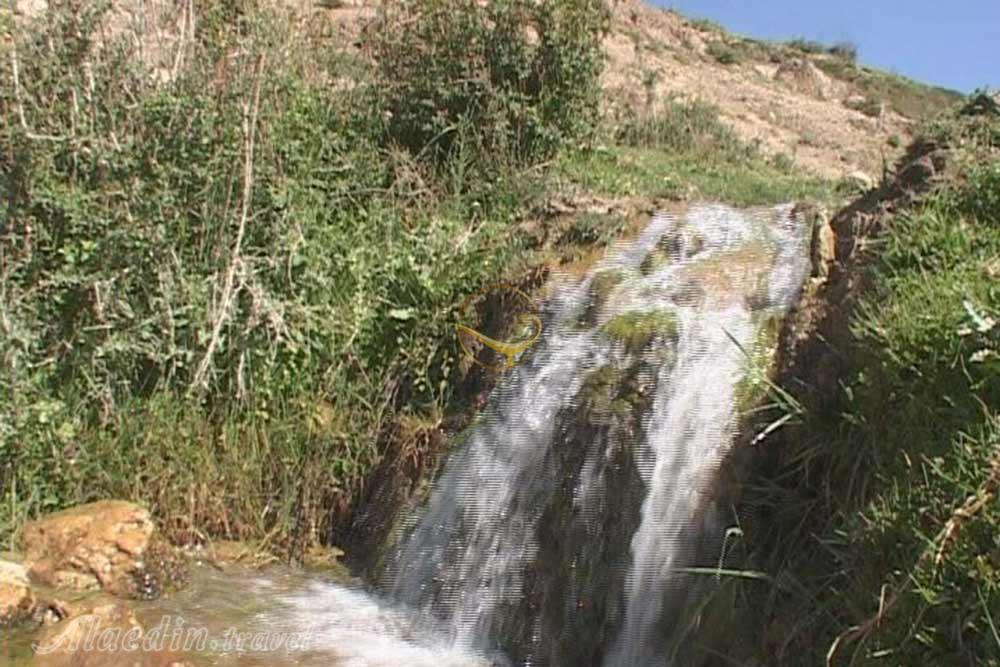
221 278
882 506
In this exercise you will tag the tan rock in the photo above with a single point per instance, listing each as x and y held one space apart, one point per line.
17 601
803 77
107 544
107 635
860 180
823 249
823 241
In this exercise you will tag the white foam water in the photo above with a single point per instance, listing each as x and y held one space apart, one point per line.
465 560
552 538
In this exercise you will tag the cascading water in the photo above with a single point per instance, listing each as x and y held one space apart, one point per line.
555 533
559 532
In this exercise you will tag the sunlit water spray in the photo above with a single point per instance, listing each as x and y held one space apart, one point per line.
704 283
558 530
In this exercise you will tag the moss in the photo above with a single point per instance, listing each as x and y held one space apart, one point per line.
635 329
653 261
752 388
599 391
604 282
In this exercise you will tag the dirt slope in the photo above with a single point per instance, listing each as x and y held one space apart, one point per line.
780 96
819 110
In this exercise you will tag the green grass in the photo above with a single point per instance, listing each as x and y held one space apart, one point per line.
682 150
882 508
660 174
909 98
723 53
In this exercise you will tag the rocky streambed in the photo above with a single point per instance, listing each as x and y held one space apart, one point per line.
97 585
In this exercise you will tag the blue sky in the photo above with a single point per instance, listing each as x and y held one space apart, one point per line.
950 43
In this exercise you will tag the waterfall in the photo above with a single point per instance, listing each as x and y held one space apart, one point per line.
554 534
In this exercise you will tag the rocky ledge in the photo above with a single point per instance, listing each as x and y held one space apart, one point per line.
78 567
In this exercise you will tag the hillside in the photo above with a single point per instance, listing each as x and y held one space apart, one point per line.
237 236
803 101
799 100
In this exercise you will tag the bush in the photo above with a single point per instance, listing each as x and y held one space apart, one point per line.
477 84
723 53
844 50
806 45
682 127
199 326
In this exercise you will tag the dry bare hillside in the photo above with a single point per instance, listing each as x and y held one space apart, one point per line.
821 110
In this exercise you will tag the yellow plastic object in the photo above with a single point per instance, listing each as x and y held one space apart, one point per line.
508 349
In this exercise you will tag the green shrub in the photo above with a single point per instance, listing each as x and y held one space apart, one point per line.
806 45
681 126
844 50
783 163
131 216
723 53
487 83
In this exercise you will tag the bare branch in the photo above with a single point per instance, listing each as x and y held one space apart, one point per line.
250 113
18 94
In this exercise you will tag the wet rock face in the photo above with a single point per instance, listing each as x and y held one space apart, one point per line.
111 545
823 240
17 602
574 593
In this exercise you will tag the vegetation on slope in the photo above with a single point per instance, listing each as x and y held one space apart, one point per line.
880 511
681 150
222 285
228 275
220 282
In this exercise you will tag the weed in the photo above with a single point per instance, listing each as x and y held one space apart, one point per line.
723 53
216 287
885 514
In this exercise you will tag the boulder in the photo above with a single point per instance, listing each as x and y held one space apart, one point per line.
17 601
108 544
107 635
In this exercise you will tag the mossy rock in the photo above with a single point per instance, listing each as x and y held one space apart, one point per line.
601 287
599 391
604 283
636 329
753 386
653 261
